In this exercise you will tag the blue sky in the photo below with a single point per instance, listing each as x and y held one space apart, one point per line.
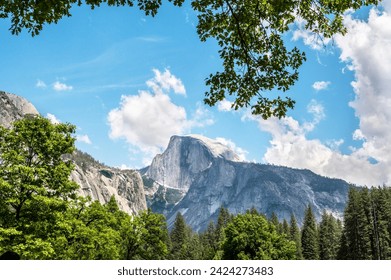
129 82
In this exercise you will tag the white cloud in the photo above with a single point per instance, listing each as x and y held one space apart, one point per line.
164 82
238 150
40 84
365 50
314 41
290 146
224 106
148 120
201 117
317 110
52 118
84 139
334 144
125 167
358 135
58 86
321 85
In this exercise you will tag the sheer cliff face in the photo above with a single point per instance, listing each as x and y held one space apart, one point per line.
241 186
101 182
95 180
210 176
171 174
184 158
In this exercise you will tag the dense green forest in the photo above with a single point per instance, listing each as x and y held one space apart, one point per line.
42 217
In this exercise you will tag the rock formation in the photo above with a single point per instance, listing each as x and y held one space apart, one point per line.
201 176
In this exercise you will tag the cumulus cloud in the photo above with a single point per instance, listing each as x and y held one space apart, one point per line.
320 85
201 117
314 41
238 150
58 86
224 106
290 146
84 139
148 120
365 50
166 81
53 119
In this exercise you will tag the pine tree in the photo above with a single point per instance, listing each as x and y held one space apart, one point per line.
285 227
309 236
223 219
193 249
381 217
329 237
343 250
357 227
209 241
274 220
179 237
294 235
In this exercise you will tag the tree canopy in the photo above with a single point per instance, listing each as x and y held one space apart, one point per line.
34 183
250 34
251 237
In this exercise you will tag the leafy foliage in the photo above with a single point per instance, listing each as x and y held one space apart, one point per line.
34 183
33 15
251 236
250 34
147 237
255 59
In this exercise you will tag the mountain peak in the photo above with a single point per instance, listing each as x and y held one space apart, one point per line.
185 157
216 147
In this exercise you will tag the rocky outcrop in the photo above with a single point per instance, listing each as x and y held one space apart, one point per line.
13 107
101 182
206 179
96 180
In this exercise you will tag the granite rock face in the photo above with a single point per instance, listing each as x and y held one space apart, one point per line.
13 107
95 179
204 178
184 158
170 174
100 182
